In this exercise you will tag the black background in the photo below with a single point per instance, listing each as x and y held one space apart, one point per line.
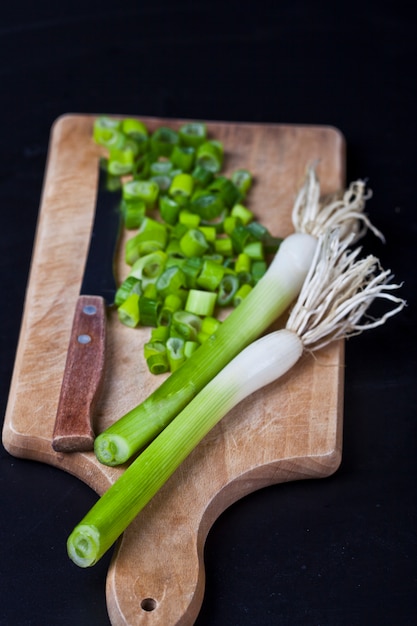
335 552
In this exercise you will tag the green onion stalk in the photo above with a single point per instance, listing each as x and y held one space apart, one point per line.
265 303
333 301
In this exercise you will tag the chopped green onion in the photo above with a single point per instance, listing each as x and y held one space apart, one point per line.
224 246
170 281
227 190
149 311
158 363
160 168
193 243
106 131
105 122
183 157
207 205
210 324
193 134
227 290
163 141
186 324
174 252
134 212
178 230
202 176
242 213
169 210
210 155
261 233
190 347
156 357
131 284
243 180
149 266
209 233
172 302
201 302
230 223
242 293
175 352
152 236
160 334
134 127
181 187
128 311
190 220
245 278
145 190
257 230
258 270
191 269
120 159
243 263
153 347
254 250
149 291
163 182
210 276
217 222
215 257
240 237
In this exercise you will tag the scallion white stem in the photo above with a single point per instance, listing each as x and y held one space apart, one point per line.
332 305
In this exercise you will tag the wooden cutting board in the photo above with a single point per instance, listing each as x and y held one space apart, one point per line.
290 430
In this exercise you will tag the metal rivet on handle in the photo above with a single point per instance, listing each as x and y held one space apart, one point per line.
89 309
84 338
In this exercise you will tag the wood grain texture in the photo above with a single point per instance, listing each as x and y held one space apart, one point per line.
82 378
287 431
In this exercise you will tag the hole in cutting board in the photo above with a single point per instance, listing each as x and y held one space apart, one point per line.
148 604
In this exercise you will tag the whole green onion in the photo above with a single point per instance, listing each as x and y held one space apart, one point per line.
333 301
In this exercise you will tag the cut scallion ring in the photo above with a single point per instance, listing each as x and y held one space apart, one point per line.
210 156
207 205
163 141
175 352
193 134
201 302
227 290
193 243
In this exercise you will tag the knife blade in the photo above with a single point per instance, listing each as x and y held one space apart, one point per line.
85 361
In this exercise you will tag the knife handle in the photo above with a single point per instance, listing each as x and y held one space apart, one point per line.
73 431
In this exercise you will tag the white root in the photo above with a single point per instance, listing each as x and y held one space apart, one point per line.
314 215
337 293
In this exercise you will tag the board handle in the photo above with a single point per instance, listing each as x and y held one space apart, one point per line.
73 429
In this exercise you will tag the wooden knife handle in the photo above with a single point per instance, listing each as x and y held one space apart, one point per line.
73 431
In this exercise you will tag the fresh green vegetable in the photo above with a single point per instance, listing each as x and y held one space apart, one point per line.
268 299
283 281
193 134
335 296
176 198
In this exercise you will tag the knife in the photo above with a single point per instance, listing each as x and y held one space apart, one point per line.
85 362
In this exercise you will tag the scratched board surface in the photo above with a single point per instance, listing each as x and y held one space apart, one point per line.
286 431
